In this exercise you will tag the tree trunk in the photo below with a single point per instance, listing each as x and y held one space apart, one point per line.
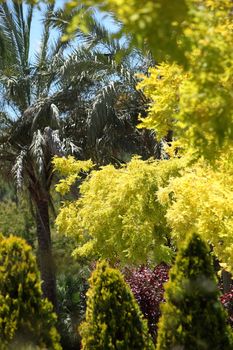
226 279
45 257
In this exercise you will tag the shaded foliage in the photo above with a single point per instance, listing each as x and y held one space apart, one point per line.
147 286
71 289
16 219
72 285
227 301
193 316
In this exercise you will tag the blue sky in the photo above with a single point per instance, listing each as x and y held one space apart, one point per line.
36 28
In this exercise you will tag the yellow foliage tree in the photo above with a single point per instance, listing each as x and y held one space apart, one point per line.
190 92
118 215
131 213
201 200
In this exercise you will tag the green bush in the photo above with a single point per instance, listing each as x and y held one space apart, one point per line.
25 318
72 290
193 317
113 319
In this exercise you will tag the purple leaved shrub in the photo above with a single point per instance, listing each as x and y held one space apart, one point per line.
147 287
227 301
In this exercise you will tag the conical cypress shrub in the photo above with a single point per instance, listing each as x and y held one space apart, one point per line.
25 318
193 317
113 318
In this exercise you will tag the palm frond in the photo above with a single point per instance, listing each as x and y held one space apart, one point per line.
82 61
18 169
5 121
28 23
68 147
42 114
16 89
2 46
63 99
15 31
96 34
8 29
36 150
53 142
102 111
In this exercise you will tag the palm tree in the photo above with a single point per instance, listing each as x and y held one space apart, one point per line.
31 132
112 100
77 96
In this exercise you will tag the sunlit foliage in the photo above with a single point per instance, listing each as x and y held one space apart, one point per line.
131 213
162 88
25 318
190 94
118 215
196 107
202 201
70 169
113 318
157 23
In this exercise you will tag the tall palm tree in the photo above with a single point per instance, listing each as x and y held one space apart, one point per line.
31 132
77 96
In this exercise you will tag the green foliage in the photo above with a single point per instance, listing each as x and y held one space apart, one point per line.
15 218
15 215
72 284
193 317
71 290
25 318
118 215
113 318
6 191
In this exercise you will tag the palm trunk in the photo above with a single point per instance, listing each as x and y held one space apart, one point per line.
45 257
226 279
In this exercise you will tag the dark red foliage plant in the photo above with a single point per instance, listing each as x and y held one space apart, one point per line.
227 301
147 287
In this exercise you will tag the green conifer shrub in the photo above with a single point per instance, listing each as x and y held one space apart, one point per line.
25 318
193 317
113 318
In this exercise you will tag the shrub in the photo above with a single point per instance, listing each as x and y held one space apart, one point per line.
25 318
227 301
72 290
113 318
193 317
147 287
